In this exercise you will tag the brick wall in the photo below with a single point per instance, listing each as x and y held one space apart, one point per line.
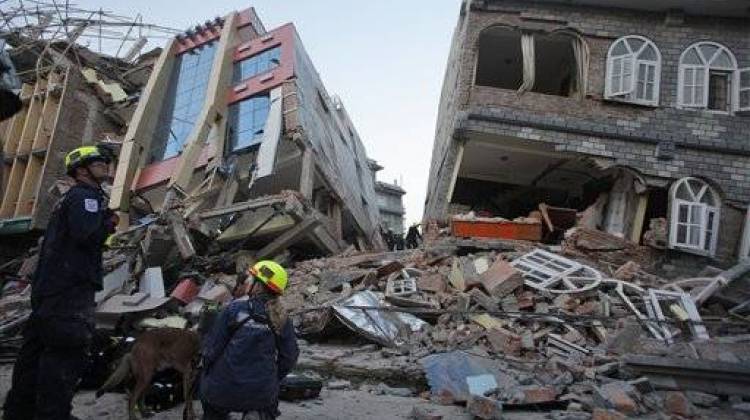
713 146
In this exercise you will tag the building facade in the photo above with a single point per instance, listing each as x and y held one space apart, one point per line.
636 111
235 122
391 206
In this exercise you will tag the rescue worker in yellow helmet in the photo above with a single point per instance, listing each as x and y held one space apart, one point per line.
68 273
250 349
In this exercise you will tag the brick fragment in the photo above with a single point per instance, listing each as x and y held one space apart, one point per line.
539 394
501 279
485 408
504 341
418 413
434 283
676 402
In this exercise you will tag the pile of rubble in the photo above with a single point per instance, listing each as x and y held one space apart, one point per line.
512 325
578 329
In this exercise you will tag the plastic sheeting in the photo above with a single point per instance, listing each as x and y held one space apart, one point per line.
383 327
451 373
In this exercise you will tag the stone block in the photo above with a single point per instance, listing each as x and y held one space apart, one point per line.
485 408
501 279
418 413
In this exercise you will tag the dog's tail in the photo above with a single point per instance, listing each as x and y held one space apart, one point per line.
118 376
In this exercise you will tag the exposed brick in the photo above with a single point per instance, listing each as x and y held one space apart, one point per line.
501 279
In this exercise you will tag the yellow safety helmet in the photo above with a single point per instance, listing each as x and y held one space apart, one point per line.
271 274
85 155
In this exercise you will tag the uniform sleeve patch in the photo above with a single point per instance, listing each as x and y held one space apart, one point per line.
91 205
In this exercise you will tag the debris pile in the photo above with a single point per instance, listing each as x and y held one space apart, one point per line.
495 325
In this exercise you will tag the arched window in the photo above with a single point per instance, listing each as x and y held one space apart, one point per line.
633 71
709 79
694 217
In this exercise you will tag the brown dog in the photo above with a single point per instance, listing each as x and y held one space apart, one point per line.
155 350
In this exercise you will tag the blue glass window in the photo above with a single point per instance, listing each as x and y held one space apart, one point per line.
183 101
257 64
246 122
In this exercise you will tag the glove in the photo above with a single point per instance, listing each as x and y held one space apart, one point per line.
111 220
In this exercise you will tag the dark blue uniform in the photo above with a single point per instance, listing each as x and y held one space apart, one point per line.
61 326
244 360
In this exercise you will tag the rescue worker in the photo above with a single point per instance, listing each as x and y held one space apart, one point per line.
250 349
69 272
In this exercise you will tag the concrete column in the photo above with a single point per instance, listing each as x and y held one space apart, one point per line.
307 175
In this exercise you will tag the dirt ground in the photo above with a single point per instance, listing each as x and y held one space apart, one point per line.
331 405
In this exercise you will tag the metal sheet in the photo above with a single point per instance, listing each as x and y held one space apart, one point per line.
380 326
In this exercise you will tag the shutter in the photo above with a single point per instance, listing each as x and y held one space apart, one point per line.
621 80
743 99
693 90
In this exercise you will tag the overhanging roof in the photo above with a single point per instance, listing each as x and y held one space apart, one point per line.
728 8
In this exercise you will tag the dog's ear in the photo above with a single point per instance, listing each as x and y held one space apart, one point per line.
277 314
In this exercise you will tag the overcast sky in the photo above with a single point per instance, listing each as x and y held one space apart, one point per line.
384 58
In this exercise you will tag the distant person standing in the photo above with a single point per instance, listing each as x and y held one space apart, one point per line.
61 326
413 237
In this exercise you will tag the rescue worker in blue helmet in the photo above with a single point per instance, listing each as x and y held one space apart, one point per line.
250 349
69 272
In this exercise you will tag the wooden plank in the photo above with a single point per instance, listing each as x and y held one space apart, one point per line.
48 114
638 220
10 198
32 118
137 140
27 195
288 238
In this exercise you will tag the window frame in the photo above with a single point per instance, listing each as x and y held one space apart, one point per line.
741 89
745 247
705 70
629 93
235 115
708 232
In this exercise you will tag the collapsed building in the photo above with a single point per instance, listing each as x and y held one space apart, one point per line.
236 131
390 202
635 112
71 96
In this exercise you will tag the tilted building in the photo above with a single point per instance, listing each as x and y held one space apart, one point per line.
637 111
236 129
